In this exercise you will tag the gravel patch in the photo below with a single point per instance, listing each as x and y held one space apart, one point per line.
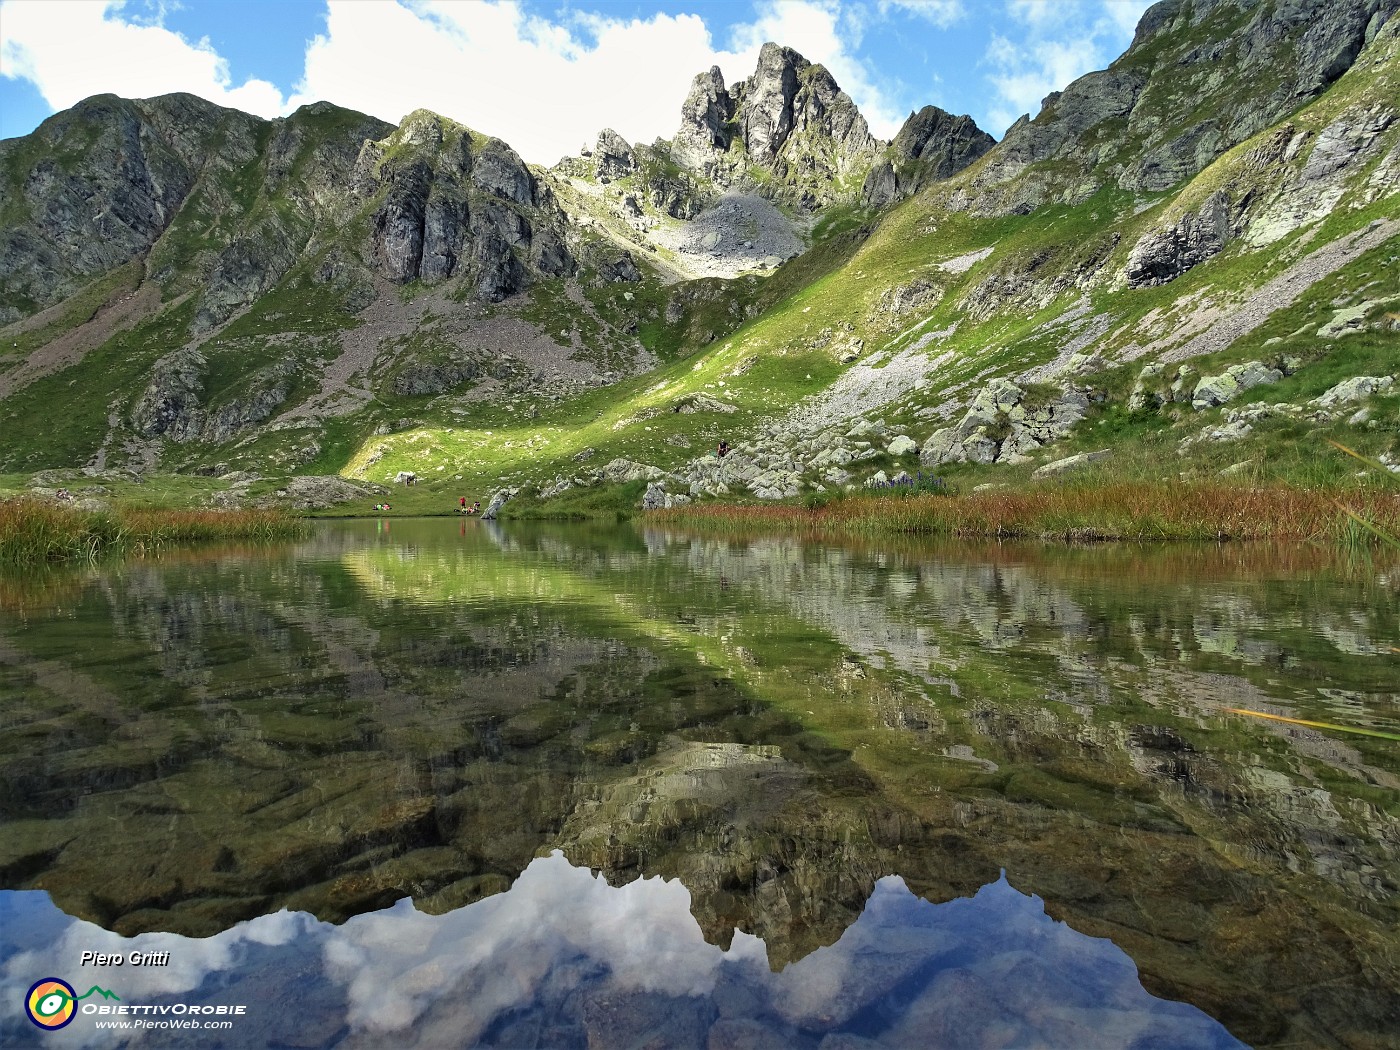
963 263
741 233
1281 292
862 389
552 364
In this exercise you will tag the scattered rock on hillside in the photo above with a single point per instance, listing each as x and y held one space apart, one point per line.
1069 463
999 428
1218 389
1358 388
1347 321
312 492
902 446
701 402
620 471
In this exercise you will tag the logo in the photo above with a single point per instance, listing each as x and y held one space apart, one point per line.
52 1002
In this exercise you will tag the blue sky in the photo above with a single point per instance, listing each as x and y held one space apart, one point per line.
544 75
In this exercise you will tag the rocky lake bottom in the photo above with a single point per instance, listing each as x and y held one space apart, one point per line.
446 783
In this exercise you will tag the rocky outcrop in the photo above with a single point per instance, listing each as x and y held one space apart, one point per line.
498 500
312 492
1003 425
1162 255
1218 389
449 205
172 404
705 130
1358 388
932 145
790 120
1165 110
657 498
95 186
613 157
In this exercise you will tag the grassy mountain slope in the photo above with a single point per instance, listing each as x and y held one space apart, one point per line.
334 296
1035 289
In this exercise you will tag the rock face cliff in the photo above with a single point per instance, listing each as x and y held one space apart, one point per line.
97 185
1200 77
789 129
446 203
932 145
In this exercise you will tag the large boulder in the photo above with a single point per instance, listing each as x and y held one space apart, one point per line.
1217 390
655 497
497 501
1071 463
1358 388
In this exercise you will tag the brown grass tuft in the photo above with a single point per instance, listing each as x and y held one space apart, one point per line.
1118 511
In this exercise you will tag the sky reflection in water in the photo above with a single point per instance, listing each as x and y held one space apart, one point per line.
564 959
245 747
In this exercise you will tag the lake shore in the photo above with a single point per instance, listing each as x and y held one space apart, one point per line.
36 531
1116 511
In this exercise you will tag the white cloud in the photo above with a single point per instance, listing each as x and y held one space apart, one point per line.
1124 14
546 87
529 81
73 50
1063 40
942 13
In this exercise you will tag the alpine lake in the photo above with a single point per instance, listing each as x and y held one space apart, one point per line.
448 783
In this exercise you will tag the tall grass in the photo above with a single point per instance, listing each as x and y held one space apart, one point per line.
33 531
1113 511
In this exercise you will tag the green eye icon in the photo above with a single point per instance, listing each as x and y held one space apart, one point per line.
52 1003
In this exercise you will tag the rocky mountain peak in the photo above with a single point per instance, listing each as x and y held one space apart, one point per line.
705 121
448 203
766 118
791 120
613 156
933 144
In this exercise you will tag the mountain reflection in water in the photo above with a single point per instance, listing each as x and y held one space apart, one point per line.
564 960
273 738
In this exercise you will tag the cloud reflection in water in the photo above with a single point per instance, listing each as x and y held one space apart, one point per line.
564 959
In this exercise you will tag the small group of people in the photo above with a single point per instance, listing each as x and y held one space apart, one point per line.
475 508
382 506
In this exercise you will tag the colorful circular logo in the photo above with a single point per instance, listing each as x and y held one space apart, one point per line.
51 1003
